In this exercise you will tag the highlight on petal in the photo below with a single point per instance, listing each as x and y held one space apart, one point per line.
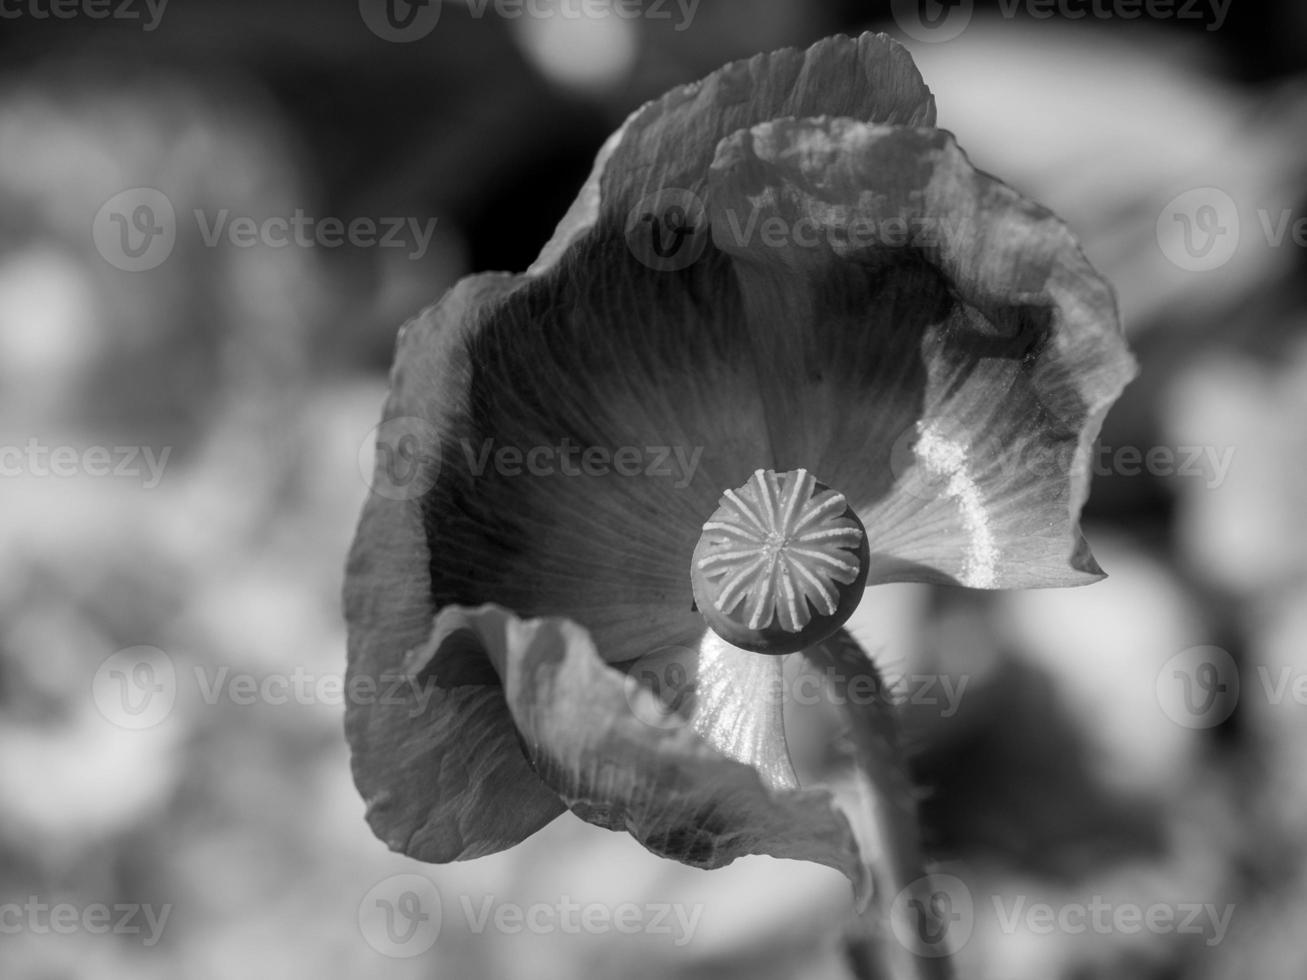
580 721
732 698
944 351
945 460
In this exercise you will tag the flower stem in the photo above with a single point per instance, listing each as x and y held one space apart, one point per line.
884 820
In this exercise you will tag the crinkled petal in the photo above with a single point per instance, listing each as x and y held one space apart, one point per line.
934 345
438 764
670 141
586 726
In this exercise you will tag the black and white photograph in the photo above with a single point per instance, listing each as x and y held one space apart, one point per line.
653 490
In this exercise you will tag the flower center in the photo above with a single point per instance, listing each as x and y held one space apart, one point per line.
781 563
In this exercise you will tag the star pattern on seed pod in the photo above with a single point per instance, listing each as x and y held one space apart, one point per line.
779 550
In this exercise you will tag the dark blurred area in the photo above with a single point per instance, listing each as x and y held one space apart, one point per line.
1071 768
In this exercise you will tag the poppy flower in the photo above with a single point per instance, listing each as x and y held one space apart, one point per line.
787 345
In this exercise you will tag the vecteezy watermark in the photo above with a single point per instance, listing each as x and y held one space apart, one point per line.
401 459
405 21
989 459
148 12
138 687
933 915
38 917
668 229
305 231
136 230
36 459
1281 683
1200 229
936 914
1099 916
400 21
682 11
935 21
877 224
403 915
663 685
1198 687
1207 463
567 458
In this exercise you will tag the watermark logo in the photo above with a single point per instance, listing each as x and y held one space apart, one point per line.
400 458
932 21
936 21
405 21
136 229
668 229
675 921
567 458
406 461
35 459
1101 917
589 10
928 466
400 21
42 918
1210 12
148 12
135 688
401 916
662 686
880 222
1198 687
306 231
933 915
1283 683
1198 231
138 687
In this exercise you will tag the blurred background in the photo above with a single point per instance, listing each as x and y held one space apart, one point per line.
186 411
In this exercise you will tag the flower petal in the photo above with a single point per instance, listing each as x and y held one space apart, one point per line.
595 354
438 764
602 419
732 698
670 142
939 342
581 722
